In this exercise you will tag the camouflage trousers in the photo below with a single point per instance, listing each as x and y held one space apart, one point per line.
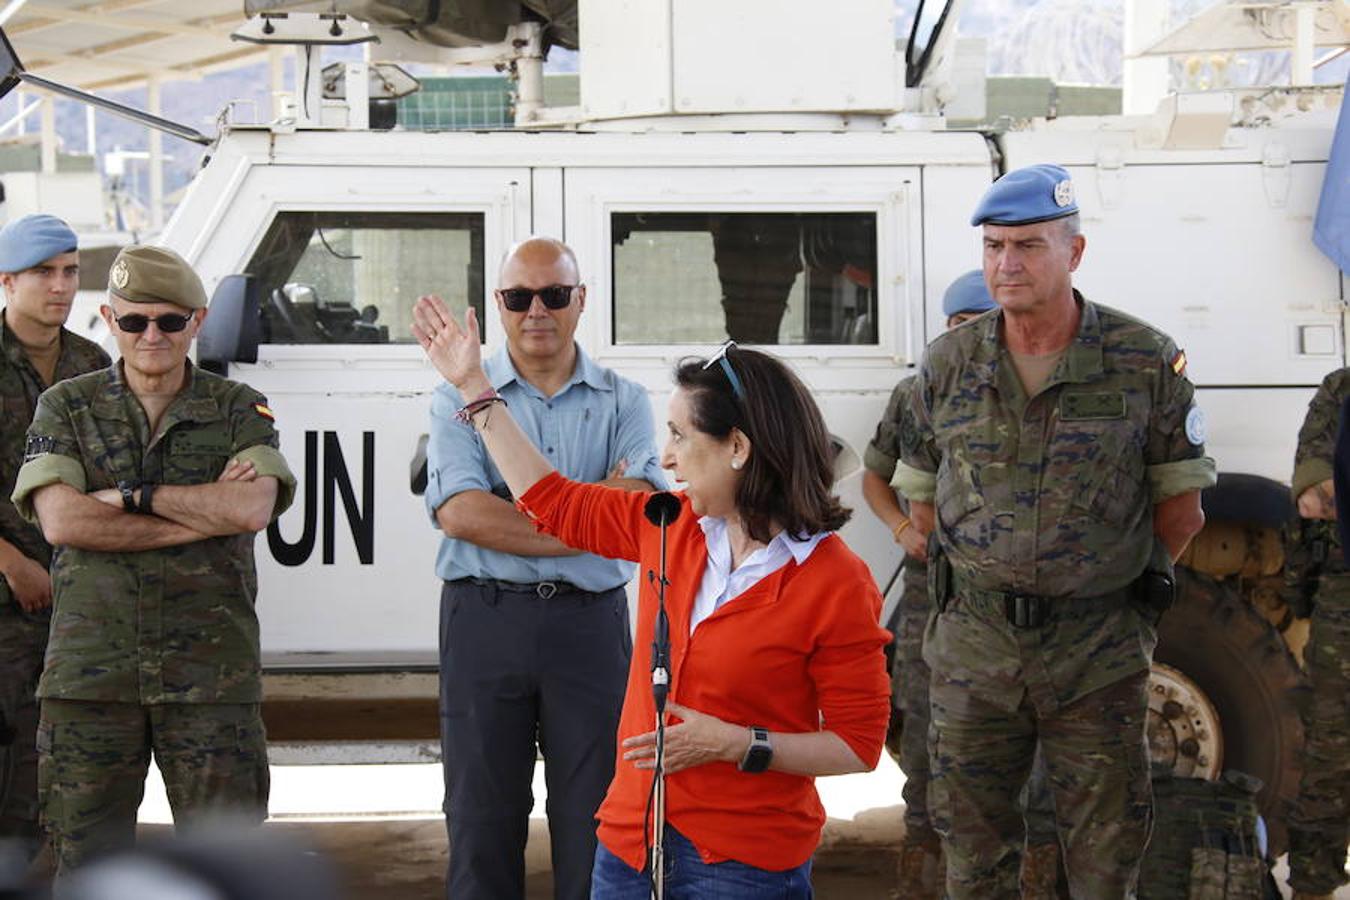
982 753
1319 824
910 676
94 756
23 642
909 687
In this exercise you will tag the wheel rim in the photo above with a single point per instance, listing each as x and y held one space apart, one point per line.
1184 733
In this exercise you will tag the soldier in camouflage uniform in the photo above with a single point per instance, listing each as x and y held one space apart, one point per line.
1056 451
39 273
920 872
151 478
1319 824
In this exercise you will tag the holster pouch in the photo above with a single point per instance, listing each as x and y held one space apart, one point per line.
1155 590
939 574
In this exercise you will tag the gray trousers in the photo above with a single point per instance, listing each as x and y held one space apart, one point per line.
518 670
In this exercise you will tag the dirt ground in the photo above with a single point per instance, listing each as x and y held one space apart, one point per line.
406 861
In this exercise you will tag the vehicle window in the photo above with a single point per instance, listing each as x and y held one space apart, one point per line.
352 277
760 278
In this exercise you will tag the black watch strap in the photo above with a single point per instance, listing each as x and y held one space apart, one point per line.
759 754
128 495
145 508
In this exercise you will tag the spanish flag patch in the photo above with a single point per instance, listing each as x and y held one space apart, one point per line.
263 410
1179 363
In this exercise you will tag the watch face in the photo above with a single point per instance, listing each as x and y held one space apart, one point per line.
757 760
759 754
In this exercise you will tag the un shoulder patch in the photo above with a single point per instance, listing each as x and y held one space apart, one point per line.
1195 426
37 445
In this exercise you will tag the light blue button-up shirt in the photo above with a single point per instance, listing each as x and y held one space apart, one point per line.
596 419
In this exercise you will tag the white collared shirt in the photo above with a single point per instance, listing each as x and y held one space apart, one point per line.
721 585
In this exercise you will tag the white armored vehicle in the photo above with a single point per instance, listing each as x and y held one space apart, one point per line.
760 170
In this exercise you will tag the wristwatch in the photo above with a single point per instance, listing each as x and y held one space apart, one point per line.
760 752
147 491
128 495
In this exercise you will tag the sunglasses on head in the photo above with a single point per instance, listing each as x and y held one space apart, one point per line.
169 323
721 357
555 296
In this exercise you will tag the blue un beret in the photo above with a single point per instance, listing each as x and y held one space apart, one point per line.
33 239
967 294
1026 196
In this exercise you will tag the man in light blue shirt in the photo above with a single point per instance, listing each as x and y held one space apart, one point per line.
534 636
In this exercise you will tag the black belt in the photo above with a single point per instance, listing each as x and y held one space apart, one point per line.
1028 611
542 589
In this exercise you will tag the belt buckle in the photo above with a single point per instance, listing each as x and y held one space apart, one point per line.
546 589
1025 611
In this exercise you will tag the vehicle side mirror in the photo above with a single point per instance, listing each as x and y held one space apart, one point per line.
233 328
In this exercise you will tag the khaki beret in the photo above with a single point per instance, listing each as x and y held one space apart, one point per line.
143 274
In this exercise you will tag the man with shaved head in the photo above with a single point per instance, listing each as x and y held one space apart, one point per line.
534 635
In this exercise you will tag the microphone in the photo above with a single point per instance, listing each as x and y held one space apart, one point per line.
662 508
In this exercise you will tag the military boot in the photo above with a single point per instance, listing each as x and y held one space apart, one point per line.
1040 872
922 873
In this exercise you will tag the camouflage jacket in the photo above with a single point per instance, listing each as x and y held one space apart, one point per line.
1317 438
884 449
20 386
175 625
1313 463
1052 494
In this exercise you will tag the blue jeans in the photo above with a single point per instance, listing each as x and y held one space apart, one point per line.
688 877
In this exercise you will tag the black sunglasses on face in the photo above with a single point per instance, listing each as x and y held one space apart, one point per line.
555 296
169 323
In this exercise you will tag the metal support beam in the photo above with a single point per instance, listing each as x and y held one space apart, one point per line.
156 158
1305 39
16 121
48 135
118 109
1145 80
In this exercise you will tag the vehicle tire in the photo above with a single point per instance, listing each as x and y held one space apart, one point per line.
1233 655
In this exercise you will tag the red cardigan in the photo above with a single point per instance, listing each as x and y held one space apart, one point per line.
798 651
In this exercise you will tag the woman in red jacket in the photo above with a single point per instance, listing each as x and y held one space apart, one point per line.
777 671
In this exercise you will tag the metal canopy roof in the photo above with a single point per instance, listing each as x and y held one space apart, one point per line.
119 43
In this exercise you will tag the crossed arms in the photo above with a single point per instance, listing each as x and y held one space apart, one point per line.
239 501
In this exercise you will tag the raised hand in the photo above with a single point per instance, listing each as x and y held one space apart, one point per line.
454 351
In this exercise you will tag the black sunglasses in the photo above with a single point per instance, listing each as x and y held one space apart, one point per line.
555 296
169 323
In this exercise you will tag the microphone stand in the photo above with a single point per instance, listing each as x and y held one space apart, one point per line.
660 690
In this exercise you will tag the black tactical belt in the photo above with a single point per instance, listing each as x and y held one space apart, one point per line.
1030 611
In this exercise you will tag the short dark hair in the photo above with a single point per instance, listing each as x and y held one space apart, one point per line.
789 477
